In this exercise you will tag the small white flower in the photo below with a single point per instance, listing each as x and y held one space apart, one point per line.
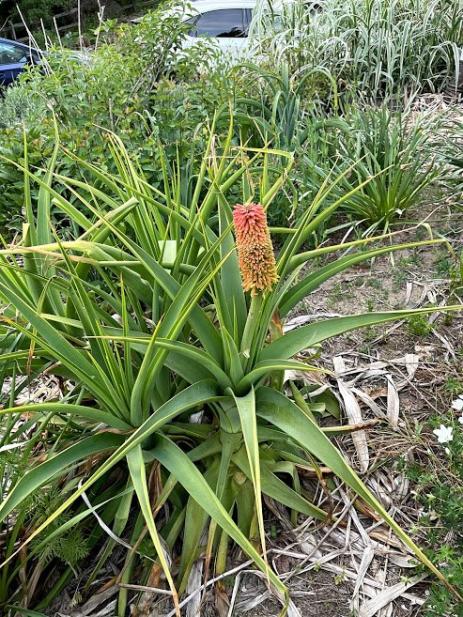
444 434
460 419
447 451
458 403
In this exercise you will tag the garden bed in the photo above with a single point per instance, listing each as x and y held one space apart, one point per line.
231 321
356 564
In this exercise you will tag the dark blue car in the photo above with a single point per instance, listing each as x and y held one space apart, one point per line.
14 57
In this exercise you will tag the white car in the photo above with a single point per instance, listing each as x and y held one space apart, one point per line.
228 22
225 21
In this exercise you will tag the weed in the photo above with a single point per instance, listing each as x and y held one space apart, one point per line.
453 385
419 326
399 277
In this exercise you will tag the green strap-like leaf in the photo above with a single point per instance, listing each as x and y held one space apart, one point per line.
277 489
91 413
301 338
232 358
246 406
313 280
189 398
49 338
138 476
268 366
187 474
196 517
59 463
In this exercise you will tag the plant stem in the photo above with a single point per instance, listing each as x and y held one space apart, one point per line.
251 323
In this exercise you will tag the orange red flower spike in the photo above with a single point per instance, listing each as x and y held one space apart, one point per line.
255 250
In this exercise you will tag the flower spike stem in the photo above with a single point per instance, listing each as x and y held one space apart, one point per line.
251 323
256 261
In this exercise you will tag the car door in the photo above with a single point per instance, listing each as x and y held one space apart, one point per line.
13 58
226 26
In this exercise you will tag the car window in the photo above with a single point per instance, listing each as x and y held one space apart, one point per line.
11 54
219 23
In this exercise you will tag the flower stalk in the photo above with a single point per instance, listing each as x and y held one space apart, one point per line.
256 261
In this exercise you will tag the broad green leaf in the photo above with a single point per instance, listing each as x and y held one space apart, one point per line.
189 398
196 517
314 279
57 464
138 476
91 413
266 367
277 489
246 406
307 336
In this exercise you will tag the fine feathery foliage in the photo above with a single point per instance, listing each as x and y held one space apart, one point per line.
177 418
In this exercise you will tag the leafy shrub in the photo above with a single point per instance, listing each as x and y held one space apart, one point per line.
293 107
110 88
114 82
137 300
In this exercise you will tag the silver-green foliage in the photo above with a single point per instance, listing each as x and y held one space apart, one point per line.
375 48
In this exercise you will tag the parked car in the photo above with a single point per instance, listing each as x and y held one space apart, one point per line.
224 21
228 22
14 57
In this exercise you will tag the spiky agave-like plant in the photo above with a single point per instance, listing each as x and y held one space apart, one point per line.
146 312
